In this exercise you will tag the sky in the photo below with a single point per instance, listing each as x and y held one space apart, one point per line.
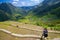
22 2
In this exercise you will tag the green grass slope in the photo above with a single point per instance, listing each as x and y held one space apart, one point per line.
8 26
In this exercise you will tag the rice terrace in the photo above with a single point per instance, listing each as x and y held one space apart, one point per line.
23 29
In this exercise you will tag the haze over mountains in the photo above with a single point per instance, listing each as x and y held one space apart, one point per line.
27 8
47 12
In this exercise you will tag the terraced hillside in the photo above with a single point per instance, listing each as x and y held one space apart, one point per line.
5 36
24 29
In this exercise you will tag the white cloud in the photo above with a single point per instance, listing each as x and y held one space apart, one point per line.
15 0
36 1
23 3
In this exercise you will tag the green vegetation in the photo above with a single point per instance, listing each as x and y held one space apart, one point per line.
10 12
44 15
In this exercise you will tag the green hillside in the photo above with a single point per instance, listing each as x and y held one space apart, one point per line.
24 29
10 12
44 15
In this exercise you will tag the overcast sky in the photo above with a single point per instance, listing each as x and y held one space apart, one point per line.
23 2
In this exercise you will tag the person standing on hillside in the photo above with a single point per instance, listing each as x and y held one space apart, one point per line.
45 33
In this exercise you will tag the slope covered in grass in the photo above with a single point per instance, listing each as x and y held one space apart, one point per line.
11 26
22 29
5 36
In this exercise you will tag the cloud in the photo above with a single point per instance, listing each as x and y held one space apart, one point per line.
15 0
36 1
25 2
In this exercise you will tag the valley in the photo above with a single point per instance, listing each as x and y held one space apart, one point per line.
30 20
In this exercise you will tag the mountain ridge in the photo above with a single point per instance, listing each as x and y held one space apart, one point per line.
12 11
45 15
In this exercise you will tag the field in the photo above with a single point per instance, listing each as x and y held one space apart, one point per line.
21 28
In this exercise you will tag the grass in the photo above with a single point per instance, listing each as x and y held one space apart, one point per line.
8 26
14 29
4 36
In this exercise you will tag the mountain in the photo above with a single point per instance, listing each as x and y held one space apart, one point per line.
50 2
10 12
27 8
44 7
45 14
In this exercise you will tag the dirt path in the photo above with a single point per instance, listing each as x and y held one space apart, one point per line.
56 39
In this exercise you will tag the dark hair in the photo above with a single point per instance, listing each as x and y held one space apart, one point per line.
45 28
